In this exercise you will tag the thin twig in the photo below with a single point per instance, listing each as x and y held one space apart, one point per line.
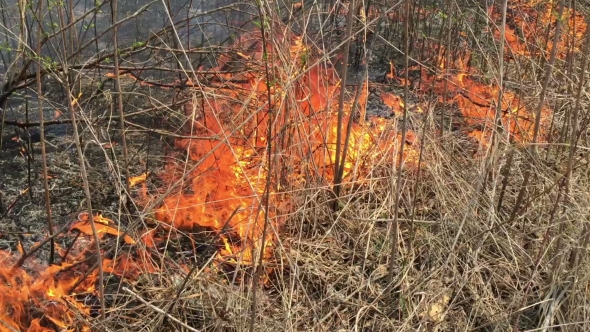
533 147
395 224
38 246
84 176
270 169
11 205
114 9
42 139
172 318
343 78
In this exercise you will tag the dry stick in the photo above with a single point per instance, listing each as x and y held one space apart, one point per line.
533 145
506 179
362 86
341 101
412 220
42 134
447 64
574 263
414 190
492 154
69 248
72 36
22 8
398 185
28 147
175 41
498 115
114 10
258 267
84 175
38 246
72 40
34 124
339 176
160 311
16 200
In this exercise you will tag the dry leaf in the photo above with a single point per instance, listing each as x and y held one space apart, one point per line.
102 227
108 145
394 102
437 309
133 181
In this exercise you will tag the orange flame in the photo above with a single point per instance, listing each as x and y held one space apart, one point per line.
226 187
37 297
533 24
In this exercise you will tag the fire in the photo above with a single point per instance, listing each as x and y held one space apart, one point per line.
477 102
527 33
104 226
227 169
29 300
134 181
36 297
225 190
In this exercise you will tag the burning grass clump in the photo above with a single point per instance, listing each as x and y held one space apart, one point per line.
229 168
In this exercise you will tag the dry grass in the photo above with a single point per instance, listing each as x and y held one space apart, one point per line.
465 268
463 263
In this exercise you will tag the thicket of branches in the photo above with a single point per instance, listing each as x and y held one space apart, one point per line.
471 236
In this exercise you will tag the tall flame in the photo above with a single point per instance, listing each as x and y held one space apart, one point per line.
224 190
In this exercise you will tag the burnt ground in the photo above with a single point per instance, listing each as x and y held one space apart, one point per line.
22 213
